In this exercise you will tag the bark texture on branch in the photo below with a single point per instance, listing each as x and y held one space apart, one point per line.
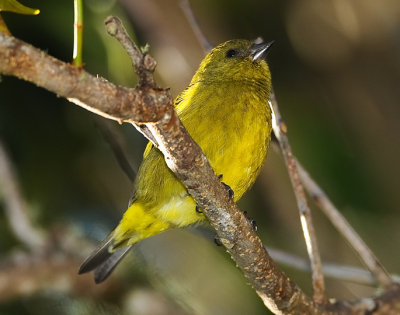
307 225
93 93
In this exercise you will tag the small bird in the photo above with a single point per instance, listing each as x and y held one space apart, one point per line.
225 110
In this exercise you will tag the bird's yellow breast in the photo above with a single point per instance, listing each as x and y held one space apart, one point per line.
237 134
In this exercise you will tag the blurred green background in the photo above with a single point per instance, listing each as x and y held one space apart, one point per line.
336 74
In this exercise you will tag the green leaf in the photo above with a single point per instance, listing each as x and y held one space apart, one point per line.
3 27
16 7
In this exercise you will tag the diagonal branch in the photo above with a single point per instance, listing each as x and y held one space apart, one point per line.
280 131
341 224
78 86
187 10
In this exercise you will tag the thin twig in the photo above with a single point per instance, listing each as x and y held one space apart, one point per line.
343 226
280 131
15 206
331 270
187 10
374 266
143 63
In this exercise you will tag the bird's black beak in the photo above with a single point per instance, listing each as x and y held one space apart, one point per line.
260 50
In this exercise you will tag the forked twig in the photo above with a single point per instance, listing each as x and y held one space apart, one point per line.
144 64
344 228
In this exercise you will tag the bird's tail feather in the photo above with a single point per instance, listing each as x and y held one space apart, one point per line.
136 224
103 261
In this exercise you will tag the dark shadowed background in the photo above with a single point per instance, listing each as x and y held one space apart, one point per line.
336 73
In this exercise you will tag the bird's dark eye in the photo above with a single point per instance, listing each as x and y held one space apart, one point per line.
231 53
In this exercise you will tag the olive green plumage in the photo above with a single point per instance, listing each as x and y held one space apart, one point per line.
225 109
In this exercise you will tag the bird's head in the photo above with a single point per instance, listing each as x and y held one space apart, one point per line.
235 60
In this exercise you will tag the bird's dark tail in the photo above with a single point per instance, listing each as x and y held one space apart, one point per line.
103 261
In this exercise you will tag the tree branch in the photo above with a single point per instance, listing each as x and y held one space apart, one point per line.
332 270
90 92
143 63
341 224
280 131
187 10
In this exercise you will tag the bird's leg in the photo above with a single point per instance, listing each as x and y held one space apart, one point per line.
251 220
231 193
198 210
228 189
217 241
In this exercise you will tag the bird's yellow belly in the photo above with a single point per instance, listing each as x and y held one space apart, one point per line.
238 153
239 165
